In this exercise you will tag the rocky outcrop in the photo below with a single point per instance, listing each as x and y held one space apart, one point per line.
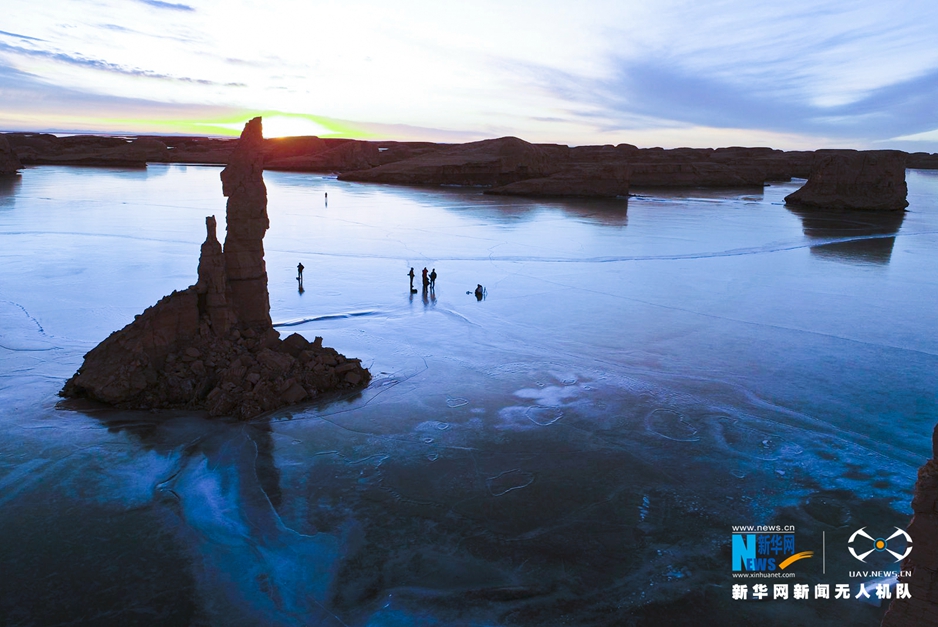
922 161
93 150
485 163
9 164
696 174
849 179
922 562
601 181
212 346
203 150
346 156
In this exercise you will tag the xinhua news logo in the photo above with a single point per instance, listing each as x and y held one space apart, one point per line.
765 551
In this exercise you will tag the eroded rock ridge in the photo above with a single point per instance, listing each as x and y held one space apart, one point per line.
922 562
212 345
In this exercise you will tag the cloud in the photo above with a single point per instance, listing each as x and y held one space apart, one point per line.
28 93
18 36
167 5
105 66
640 91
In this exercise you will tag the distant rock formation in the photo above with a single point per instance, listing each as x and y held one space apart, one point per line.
923 161
212 346
9 164
484 163
600 181
323 156
922 562
507 165
514 167
697 174
95 150
848 179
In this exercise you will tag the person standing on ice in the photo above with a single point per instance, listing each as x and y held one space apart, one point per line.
426 280
411 275
299 274
433 279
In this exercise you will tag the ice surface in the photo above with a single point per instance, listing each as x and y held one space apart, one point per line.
572 450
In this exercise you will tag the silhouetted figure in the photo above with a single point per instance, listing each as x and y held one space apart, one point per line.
411 275
299 276
433 279
480 292
327 198
426 280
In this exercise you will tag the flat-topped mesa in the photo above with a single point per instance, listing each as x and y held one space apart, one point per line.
212 345
9 164
243 184
872 180
922 562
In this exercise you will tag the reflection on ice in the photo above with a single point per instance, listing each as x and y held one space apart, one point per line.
864 235
9 186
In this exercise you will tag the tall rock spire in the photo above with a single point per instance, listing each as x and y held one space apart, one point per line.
243 184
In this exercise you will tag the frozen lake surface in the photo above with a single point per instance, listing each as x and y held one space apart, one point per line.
574 449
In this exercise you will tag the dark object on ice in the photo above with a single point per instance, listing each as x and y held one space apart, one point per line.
433 278
426 280
922 607
480 292
212 346
848 179
411 275
299 275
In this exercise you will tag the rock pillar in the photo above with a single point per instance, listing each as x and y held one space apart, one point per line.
243 184
212 286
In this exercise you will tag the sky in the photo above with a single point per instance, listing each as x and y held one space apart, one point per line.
799 74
